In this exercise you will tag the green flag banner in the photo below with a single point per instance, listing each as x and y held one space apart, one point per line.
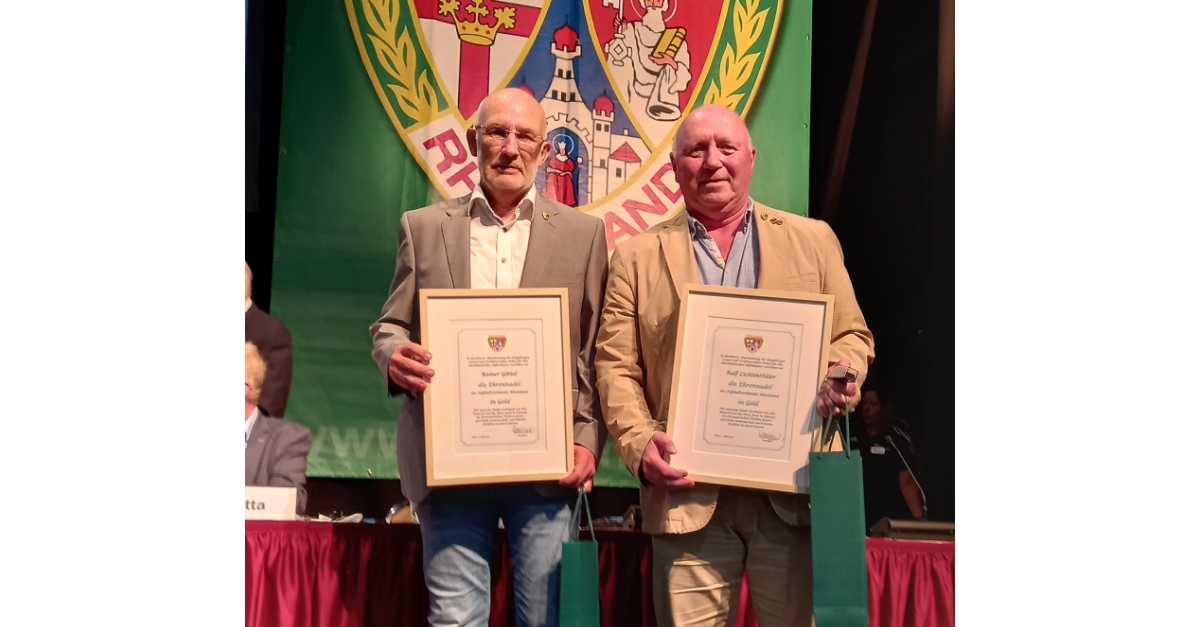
377 95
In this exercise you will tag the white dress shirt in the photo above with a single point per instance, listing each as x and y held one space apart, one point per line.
498 250
250 424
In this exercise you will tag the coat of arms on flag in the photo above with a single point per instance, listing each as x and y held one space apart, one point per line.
497 342
615 78
753 343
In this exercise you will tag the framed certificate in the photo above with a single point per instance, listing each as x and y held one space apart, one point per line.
748 364
498 409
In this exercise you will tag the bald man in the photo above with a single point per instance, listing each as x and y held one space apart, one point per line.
705 536
503 235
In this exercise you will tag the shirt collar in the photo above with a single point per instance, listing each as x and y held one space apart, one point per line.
250 424
481 208
699 232
248 303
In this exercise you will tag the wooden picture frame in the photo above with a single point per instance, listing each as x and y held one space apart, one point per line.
499 407
748 364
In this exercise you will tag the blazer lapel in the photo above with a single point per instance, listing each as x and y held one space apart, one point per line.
773 264
542 241
676 243
456 235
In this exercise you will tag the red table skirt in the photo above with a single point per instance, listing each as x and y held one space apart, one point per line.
910 583
310 574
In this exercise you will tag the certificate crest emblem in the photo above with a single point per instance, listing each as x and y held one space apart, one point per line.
753 343
615 78
497 342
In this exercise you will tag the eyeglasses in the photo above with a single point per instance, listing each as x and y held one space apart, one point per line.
496 134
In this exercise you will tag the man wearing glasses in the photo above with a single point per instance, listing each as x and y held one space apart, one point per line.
503 235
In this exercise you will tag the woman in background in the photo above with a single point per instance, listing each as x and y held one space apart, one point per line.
889 489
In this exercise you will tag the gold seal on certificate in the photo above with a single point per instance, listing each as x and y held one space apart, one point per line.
499 409
747 369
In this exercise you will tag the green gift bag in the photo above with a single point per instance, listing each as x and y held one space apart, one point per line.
579 578
839 546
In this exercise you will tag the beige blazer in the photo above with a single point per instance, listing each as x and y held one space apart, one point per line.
635 353
566 249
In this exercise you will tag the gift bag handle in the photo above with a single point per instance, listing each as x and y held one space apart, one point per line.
573 529
827 439
846 432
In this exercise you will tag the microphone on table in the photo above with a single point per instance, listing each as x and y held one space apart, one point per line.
924 505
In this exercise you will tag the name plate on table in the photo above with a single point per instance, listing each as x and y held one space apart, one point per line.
748 364
263 503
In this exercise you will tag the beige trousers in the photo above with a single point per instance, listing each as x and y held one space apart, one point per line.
698 575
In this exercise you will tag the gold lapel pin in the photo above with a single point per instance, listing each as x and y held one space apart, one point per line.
763 215
546 215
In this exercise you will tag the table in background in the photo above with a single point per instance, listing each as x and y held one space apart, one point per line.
301 574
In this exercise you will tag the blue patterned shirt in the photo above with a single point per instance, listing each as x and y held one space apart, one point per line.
741 268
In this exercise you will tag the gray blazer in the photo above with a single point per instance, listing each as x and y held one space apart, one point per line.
277 455
566 249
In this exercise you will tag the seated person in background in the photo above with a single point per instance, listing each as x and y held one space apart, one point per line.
276 449
275 345
889 489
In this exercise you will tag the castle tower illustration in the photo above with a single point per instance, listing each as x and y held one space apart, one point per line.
602 117
568 123
563 87
599 159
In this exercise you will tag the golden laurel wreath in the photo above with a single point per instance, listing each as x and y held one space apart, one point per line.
398 56
737 64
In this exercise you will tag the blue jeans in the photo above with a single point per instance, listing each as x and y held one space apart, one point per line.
458 527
